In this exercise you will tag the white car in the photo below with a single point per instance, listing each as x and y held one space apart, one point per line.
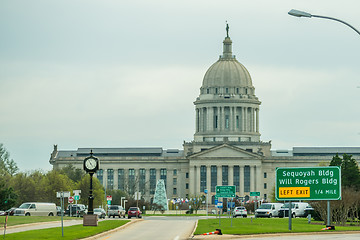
100 212
239 211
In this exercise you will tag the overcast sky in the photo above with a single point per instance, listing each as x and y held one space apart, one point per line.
110 73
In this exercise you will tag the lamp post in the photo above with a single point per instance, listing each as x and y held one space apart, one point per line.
298 13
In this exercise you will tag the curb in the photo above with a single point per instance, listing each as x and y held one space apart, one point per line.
112 230
229 236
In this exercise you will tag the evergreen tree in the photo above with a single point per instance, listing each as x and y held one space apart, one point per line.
350 175
336 161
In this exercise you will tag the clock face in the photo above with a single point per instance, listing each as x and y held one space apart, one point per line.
90 164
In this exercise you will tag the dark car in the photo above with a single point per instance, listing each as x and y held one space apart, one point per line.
58 211
9 212
134 212
77 210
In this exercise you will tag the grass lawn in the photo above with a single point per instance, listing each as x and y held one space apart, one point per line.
71 232
263 225
17 220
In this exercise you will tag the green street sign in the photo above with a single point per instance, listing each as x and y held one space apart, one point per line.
109 202
254 194
225 191
311 183
77 197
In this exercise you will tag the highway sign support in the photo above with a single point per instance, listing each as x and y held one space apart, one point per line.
309 183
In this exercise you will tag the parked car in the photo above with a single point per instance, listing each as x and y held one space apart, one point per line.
100 212
268 210
9 212
36 209
134 212
297 209
239 211
58 211
116 210
77 210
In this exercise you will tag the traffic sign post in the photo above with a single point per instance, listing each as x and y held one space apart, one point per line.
315 183
312 183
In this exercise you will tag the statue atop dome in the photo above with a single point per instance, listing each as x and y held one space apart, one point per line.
227 29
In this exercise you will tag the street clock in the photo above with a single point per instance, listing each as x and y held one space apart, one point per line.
91 163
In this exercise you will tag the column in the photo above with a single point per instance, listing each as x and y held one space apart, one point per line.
157 174
200 120
169 182
197 120
243 120
126 179
116 177
257 120
210 118
197 189
231 175
231 119
191 180
241 187
137 179
253 119
208 178
259 182
204 127
219 175
147 182
105 178
222 122
252 178
234 119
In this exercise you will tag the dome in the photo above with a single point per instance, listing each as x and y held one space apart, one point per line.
227 71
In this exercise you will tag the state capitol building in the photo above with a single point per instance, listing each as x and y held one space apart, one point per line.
226 149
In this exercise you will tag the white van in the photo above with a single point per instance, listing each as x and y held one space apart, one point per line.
36 209
297 209
268 210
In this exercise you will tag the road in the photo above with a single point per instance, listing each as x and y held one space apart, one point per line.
159 228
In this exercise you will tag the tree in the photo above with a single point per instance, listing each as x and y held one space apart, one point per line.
98 191
6 164
7 197
52 182
28 186
196 202
350 175
116 196
75 174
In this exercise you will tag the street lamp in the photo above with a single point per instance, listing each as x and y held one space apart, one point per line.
298 13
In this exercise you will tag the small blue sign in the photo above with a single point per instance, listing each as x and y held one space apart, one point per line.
231 204
216 201
206 191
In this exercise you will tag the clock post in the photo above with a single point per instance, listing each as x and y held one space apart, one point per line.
91 165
